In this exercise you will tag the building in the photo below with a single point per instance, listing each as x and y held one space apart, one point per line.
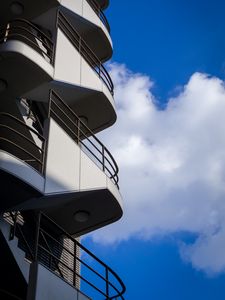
58 180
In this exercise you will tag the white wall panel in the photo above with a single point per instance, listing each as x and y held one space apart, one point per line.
89 78
63 161
88 13
20 169
91 177
67 61
73 5
51 287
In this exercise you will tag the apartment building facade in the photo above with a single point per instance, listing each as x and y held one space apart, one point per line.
58 180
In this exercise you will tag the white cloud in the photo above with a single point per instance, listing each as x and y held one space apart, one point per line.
172 165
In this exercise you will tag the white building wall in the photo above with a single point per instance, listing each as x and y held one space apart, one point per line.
63 161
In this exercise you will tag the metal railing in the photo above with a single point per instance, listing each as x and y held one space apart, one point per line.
83 136
23 30
85 51
16 138
49 250
97 9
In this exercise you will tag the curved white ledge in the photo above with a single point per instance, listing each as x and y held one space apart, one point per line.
27 62
15 46
16 167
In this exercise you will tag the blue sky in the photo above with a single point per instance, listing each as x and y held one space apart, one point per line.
167 42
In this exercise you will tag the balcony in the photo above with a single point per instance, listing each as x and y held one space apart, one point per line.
70 267
20 159
70 168
83 136
91 23
78 163
91 58
80 78
26 46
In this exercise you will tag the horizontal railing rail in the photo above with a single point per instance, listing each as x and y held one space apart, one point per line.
97 9
92 276
85 51
20 144
21 29
80 132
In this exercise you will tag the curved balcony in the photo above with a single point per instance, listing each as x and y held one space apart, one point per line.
71 168
20 159
26 46
77 265
25 143
18 139
97 9
82 47
91 23
80 78
83 136
29 33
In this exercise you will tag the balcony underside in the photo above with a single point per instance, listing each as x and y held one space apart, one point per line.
31 9
97 39
14 191
91 104
24 61
101 207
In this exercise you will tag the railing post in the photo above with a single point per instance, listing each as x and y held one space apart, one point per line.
38 223
7 32
13 227
107 282
43 157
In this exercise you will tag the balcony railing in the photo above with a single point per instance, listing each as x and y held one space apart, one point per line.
18 139
25 143
85 51
97 9
80 133
43 241
30 34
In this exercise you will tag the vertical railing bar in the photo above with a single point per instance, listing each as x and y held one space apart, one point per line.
38 223
13 227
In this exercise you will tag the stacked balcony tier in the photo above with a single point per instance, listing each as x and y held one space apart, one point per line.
68 168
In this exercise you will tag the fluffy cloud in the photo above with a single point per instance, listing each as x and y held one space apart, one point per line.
172 165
